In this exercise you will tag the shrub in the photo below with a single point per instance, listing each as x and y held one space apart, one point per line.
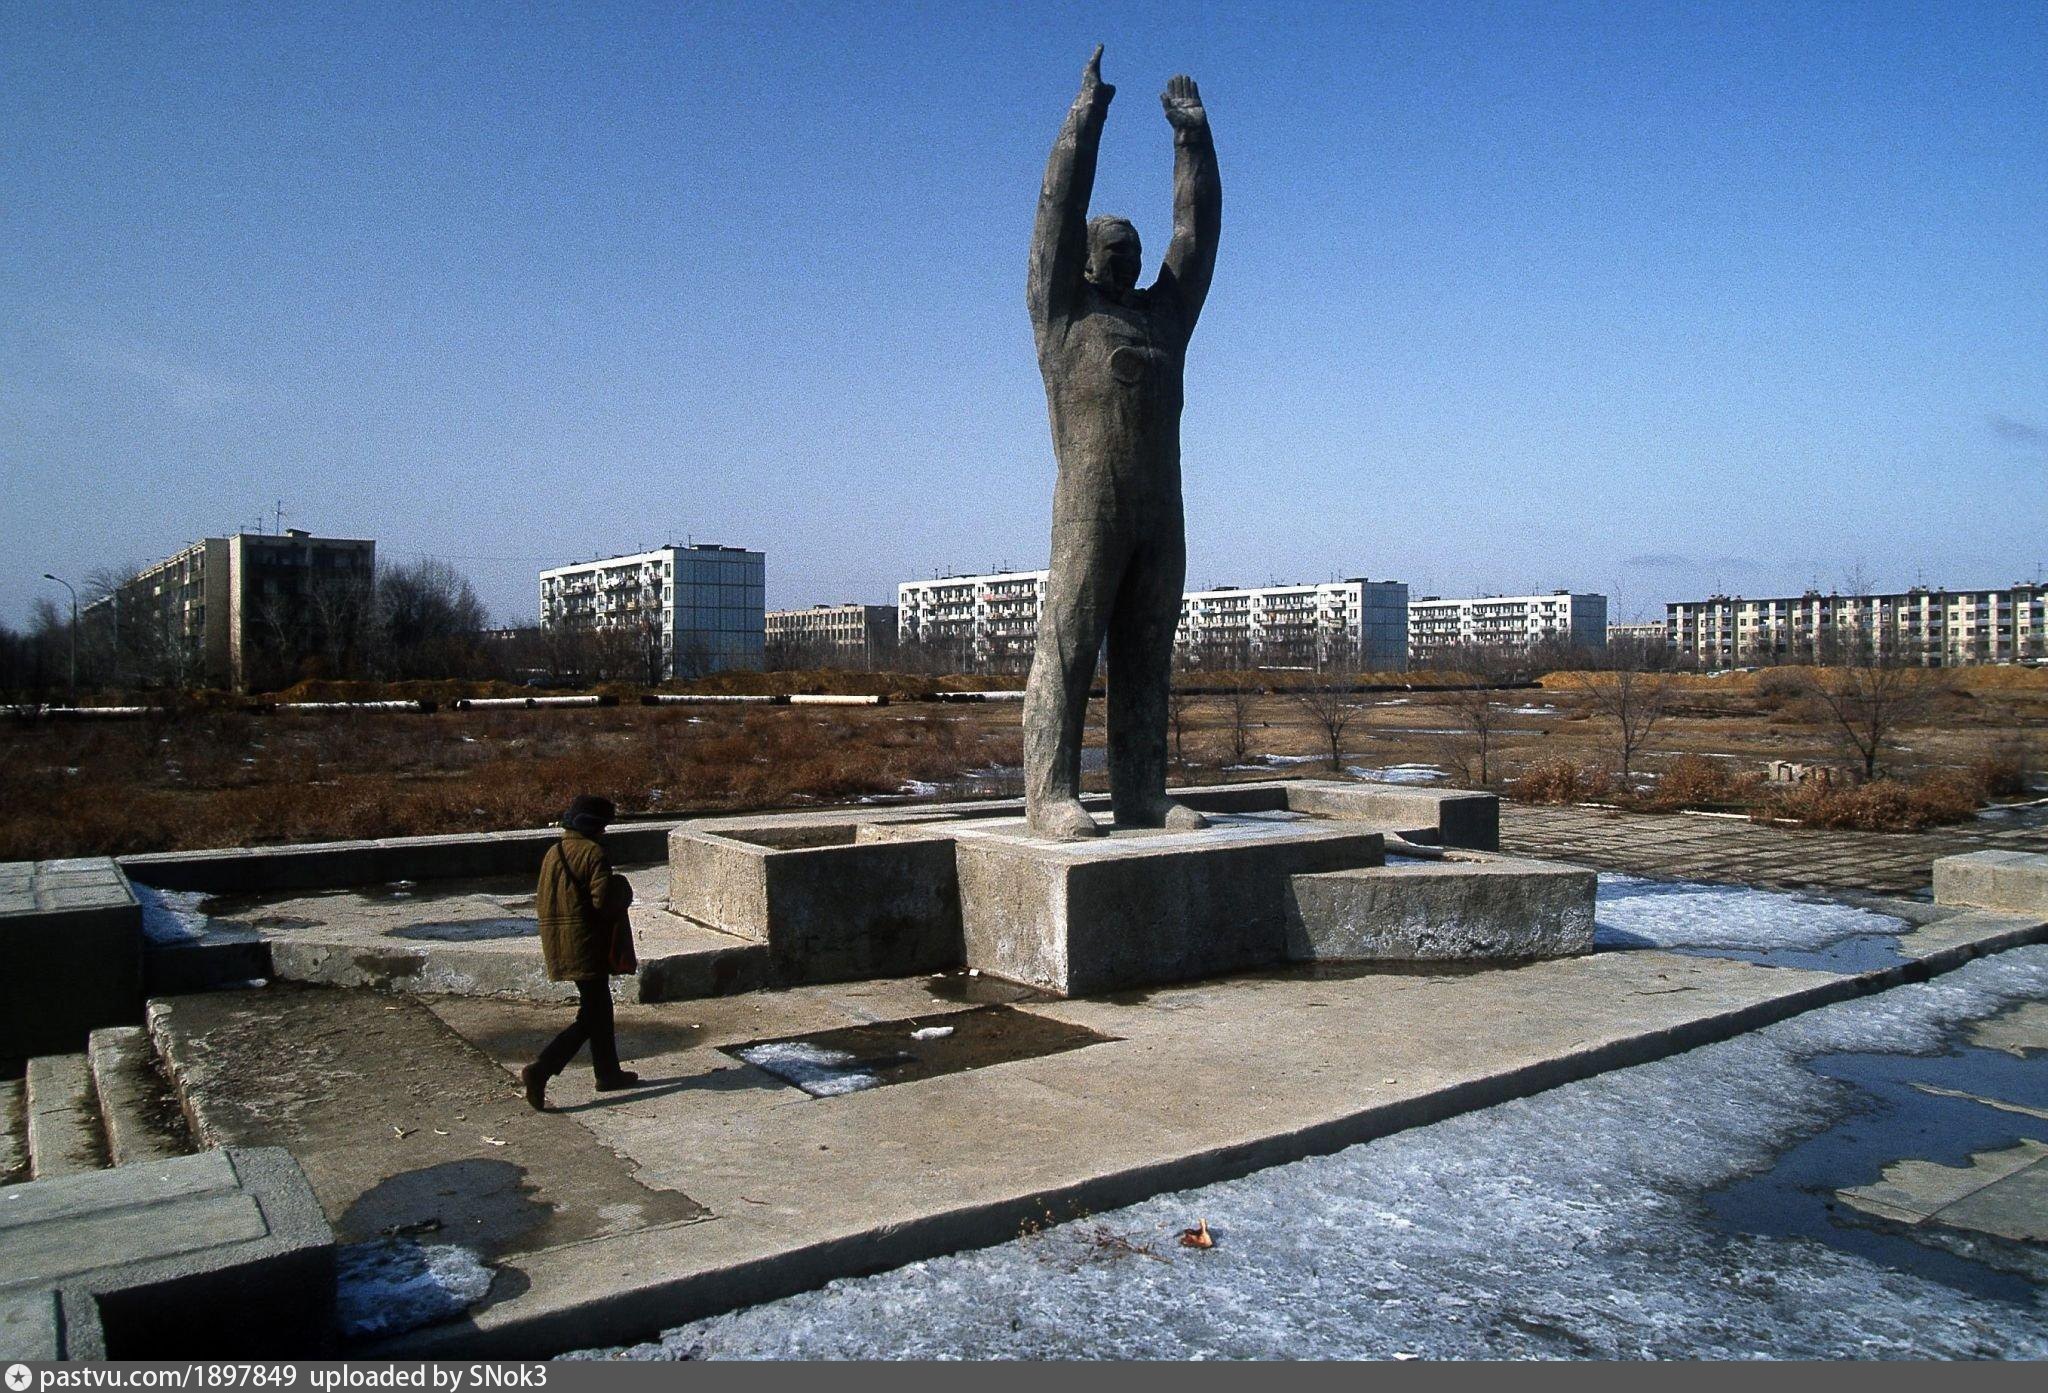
1882 805
1691 780
1559 781
2001 771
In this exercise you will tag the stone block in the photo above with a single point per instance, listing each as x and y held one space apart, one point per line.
1137 908
830 906
1467 908
63 1126
13 1131
70 954
223 1255
1442 817
130 1095
2013 882
31 1327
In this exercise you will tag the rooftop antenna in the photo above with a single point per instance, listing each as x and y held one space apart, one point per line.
279 528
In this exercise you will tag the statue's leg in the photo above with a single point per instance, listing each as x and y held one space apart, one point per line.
1086 566
1140 671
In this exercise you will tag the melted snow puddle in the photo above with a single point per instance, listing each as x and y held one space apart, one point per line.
820 1072
1766 927
1931 1108
390 1285
1397 773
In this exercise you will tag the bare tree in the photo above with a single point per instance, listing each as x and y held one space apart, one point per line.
343 611
1864 703
1238 704
1632 701
1472 709
1328 700
1180 710
431 617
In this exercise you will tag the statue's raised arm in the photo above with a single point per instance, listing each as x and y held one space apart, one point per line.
1197 197
1059 241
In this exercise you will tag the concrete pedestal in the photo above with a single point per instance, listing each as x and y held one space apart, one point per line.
1468 907
70 954
2012 882
1138 907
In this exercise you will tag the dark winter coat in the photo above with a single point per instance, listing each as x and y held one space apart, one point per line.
580 902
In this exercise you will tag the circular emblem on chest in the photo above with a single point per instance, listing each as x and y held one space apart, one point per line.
1127 364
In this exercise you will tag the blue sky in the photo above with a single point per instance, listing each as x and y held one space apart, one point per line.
1649 299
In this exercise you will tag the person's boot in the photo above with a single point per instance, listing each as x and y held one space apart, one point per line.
536 1087
612 1083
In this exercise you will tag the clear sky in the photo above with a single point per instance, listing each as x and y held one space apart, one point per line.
1644 298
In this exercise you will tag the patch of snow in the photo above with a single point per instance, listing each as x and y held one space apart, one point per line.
1630 912
819 1072
1572 1223
1534 711
1271 761
932 1032
172 916
919 788
389 1285
1397 773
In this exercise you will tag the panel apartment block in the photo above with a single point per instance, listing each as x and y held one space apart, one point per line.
849 635
1924 627
989 623
1512 623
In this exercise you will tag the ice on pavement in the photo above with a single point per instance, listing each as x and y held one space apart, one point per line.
391 1285
1635 913
1397 773
1569 1223
171 916
822 1073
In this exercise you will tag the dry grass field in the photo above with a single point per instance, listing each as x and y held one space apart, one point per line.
228 778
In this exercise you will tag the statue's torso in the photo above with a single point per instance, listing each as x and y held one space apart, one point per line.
1113 381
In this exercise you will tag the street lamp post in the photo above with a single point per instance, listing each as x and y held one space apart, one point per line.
74 636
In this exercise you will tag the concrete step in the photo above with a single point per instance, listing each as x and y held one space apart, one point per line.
13 1131
136 1107
64 1135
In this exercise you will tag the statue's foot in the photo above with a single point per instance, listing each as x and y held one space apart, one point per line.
1174 817
1064 819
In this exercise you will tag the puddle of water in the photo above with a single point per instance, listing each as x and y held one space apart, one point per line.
1892 1121
831 1062
1856 953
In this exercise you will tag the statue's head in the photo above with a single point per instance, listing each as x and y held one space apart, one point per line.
1114 255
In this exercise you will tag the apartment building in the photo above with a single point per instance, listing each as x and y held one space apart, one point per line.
241 611
1513 623
1653 632
989 623
1353 622
1921 626
848 635
692 610
985 623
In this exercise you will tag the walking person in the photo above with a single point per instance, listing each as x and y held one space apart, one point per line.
585 938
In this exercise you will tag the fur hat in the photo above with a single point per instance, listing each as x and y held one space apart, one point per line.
588 813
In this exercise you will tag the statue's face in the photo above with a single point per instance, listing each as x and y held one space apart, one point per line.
1114 256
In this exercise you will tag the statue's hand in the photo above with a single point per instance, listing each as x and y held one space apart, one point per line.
1183 103
1093 88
